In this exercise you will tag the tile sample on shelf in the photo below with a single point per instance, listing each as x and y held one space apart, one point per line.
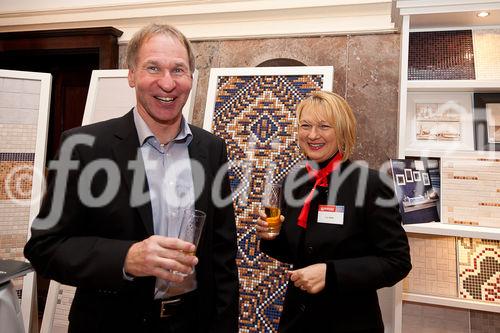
470 193
65 297
417 192
486 51
434 263
478 269
441 55
18 129
425 318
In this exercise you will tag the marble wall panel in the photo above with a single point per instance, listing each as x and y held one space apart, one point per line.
470 191
366 73
434 263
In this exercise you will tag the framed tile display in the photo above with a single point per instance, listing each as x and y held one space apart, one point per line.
253 110
439 121
113 82
24 117
487 121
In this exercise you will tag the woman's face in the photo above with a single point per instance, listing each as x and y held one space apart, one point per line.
316 136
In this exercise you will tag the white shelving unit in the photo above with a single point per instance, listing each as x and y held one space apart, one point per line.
442 15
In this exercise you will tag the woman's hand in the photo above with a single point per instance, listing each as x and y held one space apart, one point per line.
263 227
310 279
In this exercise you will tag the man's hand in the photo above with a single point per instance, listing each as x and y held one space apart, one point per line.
310 279
162 257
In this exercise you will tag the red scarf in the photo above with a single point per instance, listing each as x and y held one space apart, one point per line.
321 177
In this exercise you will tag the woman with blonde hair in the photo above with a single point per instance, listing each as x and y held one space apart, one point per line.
341 228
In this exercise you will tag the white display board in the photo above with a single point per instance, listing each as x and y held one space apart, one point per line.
24 120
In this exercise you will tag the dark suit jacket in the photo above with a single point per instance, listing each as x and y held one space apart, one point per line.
87 246
369 251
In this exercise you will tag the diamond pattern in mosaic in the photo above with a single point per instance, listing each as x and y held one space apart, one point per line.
255 115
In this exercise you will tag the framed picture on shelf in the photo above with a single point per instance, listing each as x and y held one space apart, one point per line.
487 121
439 121
416 176
418 199
400 179
425 178
408 175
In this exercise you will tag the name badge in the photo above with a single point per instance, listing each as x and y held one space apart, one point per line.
331 214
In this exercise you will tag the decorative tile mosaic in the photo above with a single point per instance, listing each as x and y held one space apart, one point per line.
256 115
18 138
479 269
484 322
441 55
486 51
64 299
19 109
470 192
424 318
434 263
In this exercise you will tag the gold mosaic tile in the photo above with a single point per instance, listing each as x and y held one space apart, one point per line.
486 51
434 269
470 191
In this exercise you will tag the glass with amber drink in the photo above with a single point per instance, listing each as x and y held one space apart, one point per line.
271 200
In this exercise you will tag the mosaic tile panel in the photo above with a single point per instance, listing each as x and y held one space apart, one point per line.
479 269
434 263
63 305
255 115
486 51
441 55
16 172
471 191
484 322
19 138
423 318
19 108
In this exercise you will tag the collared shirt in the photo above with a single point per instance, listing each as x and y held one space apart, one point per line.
171 188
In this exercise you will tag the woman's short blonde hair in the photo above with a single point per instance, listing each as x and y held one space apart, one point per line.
334 109
157 29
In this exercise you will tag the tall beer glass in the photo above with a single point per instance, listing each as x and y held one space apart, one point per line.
271 200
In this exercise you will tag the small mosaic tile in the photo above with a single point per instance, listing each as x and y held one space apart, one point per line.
15 180
486 51
434 270
479 269
64 299
441 55
470 191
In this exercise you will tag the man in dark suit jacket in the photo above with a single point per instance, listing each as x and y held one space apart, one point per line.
102 228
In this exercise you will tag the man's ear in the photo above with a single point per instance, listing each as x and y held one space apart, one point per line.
131 79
